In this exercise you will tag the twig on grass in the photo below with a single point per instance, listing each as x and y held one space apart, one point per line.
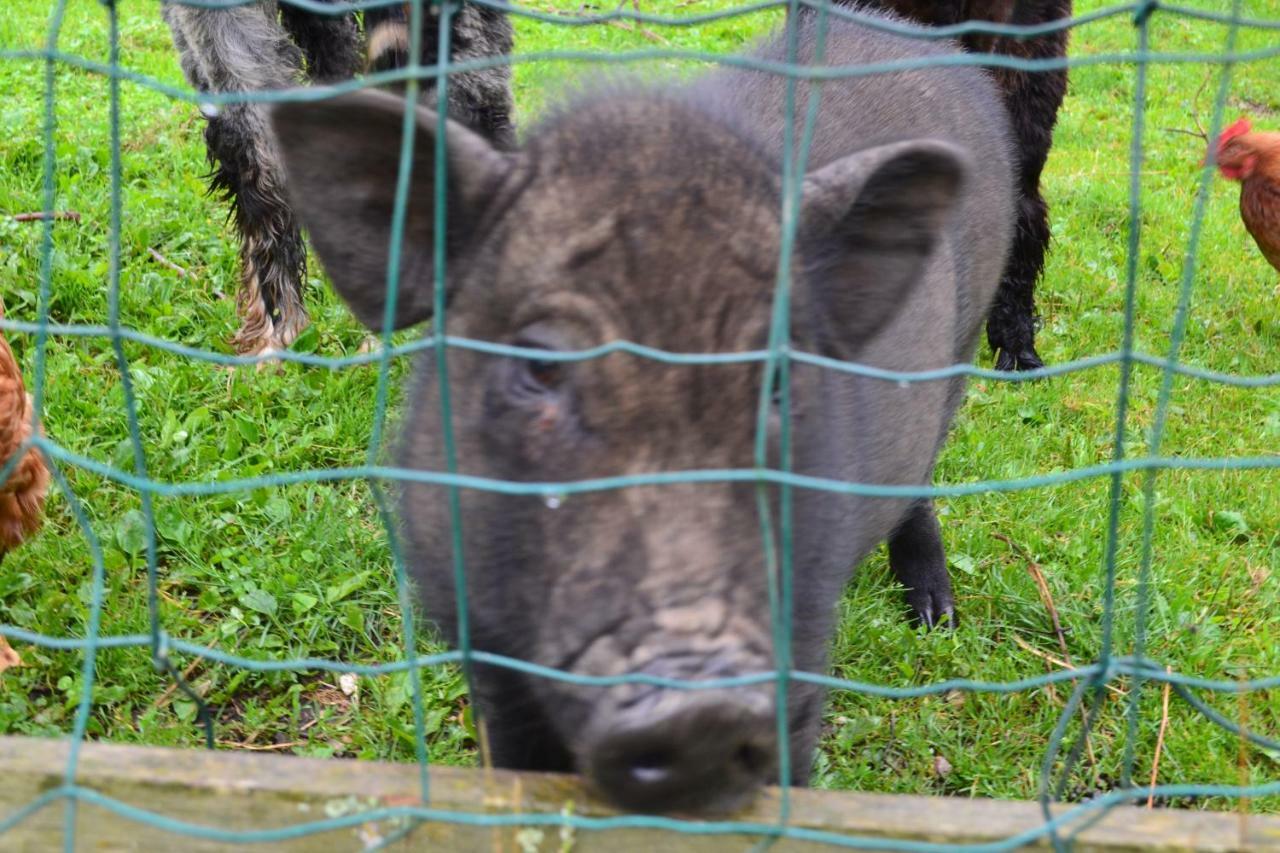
1046 597
260 747
1164 724
1054 659
644 31
164 697
163 261
1242 757
1199 132
1033 569
42 215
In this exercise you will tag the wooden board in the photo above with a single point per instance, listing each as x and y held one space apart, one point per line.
238 791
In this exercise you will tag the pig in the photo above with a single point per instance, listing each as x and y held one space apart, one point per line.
652 212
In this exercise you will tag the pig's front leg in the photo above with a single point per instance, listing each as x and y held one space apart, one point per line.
920 564
519 736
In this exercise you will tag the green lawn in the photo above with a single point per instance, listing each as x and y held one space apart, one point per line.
305 571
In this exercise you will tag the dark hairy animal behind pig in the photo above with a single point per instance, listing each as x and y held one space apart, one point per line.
263 44
1032 99
652 214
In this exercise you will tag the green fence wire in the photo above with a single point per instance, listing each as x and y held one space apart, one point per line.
1088 680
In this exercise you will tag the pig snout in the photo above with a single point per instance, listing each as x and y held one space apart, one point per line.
690 750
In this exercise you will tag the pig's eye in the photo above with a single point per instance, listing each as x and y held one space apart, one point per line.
536 376
543 372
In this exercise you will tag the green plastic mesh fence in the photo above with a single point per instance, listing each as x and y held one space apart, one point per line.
1087 681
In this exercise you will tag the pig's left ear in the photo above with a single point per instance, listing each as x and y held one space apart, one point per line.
868 224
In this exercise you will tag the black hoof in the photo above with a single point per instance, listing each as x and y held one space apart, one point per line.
1025 359
933 610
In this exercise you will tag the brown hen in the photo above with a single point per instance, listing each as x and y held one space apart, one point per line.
22 494
1253 158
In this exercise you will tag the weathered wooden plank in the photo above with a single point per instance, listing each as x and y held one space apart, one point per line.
247 791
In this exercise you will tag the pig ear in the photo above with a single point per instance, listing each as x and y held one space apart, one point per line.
868 224
341 158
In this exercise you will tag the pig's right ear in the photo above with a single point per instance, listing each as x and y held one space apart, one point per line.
868 225
341 158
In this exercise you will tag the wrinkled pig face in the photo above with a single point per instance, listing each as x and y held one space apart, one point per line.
634 218
664 580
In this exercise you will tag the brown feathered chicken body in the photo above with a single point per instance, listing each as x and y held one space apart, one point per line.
22 494
1253 158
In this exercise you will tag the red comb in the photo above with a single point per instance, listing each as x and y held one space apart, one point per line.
1240 128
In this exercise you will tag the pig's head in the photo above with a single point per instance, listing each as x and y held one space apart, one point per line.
632 217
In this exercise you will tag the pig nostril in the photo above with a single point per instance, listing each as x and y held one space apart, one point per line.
651 768
751 758
650 775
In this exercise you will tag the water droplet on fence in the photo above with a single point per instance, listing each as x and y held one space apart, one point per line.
209 110
553 501
902 383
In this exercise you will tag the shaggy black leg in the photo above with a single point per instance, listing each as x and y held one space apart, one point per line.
186 56
237 49
272 255
479 99
331 43
919 561
1033 100
482 99
519 735
249 48
1011 325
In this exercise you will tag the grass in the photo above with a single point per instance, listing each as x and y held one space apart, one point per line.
304 571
